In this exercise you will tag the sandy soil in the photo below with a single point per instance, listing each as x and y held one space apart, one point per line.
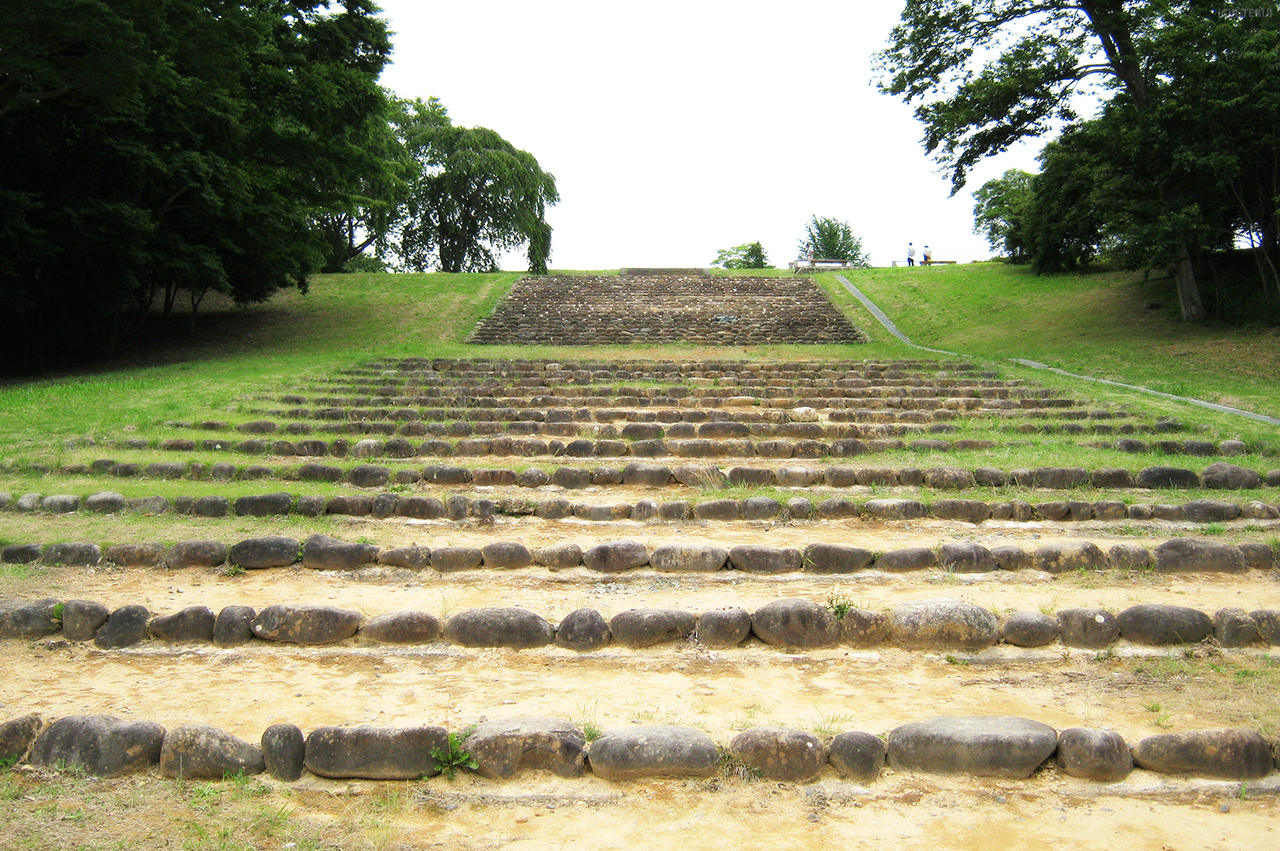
245 690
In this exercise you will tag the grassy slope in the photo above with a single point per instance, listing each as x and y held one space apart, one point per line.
1096 325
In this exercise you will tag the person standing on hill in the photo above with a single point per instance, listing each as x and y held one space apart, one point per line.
911 254
928 255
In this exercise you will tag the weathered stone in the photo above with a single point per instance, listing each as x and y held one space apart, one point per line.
1011 557
583 630
201 751
375 753
353 505
560 556
796 623
502 749
783 754
963 510
1112 478
1195 555
553 509
499 626
194 623
234 626
911 558
1224 476
688 558
948 478
638 628
16 737
835 558
857 755
966 557
798 477
601 513
799 508
72 554
82 618
718 509
21 554
990 477
264 505
1093 754
1029 629
410 558
1156 478
455 559
1233 627
723 627
105 502
1211 511
136 555
284 752
1258 556
757 558
1160 624
1235 755
943 624
506 555
306 624
259 553
321 552
837 508
29 618
125 627
403 627
1091 629
646 475
653 751
751 477
864 628
1268 623
1068 556
1129 557
368 476
895 509
616 556
99 745
1004 747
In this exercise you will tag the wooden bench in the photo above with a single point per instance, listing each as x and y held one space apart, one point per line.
812 264
937 262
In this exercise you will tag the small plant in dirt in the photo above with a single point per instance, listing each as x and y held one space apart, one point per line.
839 605
454 756
731 766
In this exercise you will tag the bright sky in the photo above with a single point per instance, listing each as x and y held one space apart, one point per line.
675 128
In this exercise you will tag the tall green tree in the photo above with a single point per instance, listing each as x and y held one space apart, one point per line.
832 239
156 149
1000 213
472 196
987 74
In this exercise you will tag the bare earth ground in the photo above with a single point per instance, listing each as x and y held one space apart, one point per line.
245 690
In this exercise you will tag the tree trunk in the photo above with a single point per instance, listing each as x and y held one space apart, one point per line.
1188 292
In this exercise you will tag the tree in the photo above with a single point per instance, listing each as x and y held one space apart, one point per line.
159 148
1000 213
748 256
832 239
1042 50
472 195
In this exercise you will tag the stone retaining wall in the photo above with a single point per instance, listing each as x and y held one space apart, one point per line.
762 508
933 625
1007 748
321 552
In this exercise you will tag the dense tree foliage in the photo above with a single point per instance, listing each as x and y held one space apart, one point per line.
1000 213
832 239
151 149
748 256
471 195
1180 162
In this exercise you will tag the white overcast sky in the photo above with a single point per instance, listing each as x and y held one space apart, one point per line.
675 128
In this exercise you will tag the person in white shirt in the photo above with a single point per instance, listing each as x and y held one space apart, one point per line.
911 254
928 255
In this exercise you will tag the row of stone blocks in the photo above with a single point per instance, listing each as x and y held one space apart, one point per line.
393 369
457 507
935 625
1003 747
321 552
